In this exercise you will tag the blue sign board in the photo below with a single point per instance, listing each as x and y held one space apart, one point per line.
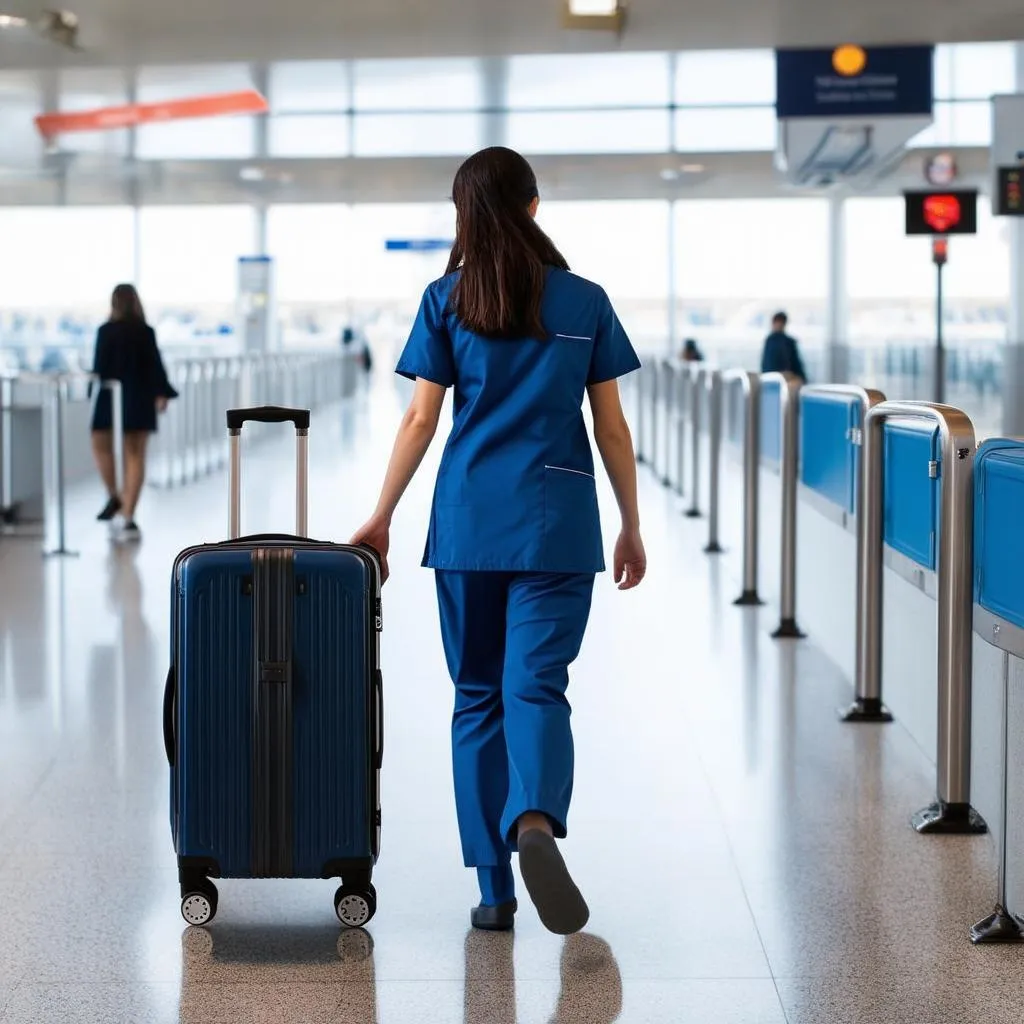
418 244
854 81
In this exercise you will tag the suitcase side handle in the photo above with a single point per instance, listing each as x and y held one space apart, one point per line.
379 753
169 695
237 418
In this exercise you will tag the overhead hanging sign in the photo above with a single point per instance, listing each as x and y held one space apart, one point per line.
950 212
854 81
132 114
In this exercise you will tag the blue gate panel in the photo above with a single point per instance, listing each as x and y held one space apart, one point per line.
826 449
911 496
998 532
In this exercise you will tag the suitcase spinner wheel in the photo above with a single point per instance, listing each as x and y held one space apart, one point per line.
199 906
355 907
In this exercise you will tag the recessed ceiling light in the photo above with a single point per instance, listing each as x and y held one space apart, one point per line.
669 174
251 174
12 21
590 8
691 168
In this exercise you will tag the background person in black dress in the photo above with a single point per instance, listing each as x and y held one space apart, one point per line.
126 351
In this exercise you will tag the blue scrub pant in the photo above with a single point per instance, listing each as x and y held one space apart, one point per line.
509 638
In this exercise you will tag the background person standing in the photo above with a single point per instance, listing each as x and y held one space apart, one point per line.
781 354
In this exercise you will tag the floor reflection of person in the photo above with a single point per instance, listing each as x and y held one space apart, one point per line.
591 983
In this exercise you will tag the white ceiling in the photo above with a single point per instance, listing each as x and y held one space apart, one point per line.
184 31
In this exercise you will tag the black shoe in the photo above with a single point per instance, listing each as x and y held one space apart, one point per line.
561 906
501 918
112 507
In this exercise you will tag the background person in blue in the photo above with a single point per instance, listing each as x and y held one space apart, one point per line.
781 354
514 533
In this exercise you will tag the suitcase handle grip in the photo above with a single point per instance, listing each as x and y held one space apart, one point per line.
237 418
169 694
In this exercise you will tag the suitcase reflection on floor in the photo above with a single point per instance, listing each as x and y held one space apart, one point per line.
277 974
591 983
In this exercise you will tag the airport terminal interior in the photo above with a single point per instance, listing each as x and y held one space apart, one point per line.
799 742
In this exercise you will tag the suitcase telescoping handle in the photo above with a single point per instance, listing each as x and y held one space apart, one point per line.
237 418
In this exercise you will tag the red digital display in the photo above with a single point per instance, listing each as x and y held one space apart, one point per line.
950 212
941 213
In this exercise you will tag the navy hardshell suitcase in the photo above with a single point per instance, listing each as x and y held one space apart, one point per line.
273 714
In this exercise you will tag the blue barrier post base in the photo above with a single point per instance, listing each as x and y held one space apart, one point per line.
788 630
942 819
999 927
714 549
866 709
666 482
748 599
693 513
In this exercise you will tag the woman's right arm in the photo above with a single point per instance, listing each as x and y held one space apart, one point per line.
615 443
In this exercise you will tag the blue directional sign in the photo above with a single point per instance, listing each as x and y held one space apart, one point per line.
418 244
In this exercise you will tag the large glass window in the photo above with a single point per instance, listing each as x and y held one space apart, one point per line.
725 130
589 131
588 80
90 89
740 260
623 246
58 266
725 77
308 135
20 101
974 71
450 84
417 134
304 86
309 246
207 138
188 257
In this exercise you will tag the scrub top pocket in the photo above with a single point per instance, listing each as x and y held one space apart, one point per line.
572 522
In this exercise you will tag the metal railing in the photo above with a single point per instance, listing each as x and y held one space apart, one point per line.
952 812
191 442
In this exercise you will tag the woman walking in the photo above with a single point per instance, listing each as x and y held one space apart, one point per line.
514 535
126 351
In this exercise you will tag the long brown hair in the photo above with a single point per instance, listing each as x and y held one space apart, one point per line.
500 250
125 304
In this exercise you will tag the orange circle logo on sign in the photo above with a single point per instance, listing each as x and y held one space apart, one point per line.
849 60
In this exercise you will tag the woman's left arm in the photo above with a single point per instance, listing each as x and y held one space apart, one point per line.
419 425
162 386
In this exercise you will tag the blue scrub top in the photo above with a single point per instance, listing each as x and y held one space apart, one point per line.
515 490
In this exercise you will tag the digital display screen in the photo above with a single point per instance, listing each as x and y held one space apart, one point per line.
942 212
1010 199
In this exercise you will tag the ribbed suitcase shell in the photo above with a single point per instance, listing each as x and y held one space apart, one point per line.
335 732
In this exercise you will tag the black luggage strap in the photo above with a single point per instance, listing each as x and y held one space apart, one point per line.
169 708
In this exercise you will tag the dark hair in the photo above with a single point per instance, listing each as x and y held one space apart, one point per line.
125 304
500 250
780 316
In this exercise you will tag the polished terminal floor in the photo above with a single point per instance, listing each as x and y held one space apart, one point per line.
747 858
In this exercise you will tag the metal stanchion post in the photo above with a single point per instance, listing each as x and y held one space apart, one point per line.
713 384
682 397
751 386
668 401
789 455
655 395
117 428
952 812
7 510
642 378
695 377
53 477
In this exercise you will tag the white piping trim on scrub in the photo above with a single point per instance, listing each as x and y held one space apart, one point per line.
573 337
577 472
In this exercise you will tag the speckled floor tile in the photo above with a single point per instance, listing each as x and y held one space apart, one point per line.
905 999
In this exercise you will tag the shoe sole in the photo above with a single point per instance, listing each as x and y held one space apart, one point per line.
560 904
